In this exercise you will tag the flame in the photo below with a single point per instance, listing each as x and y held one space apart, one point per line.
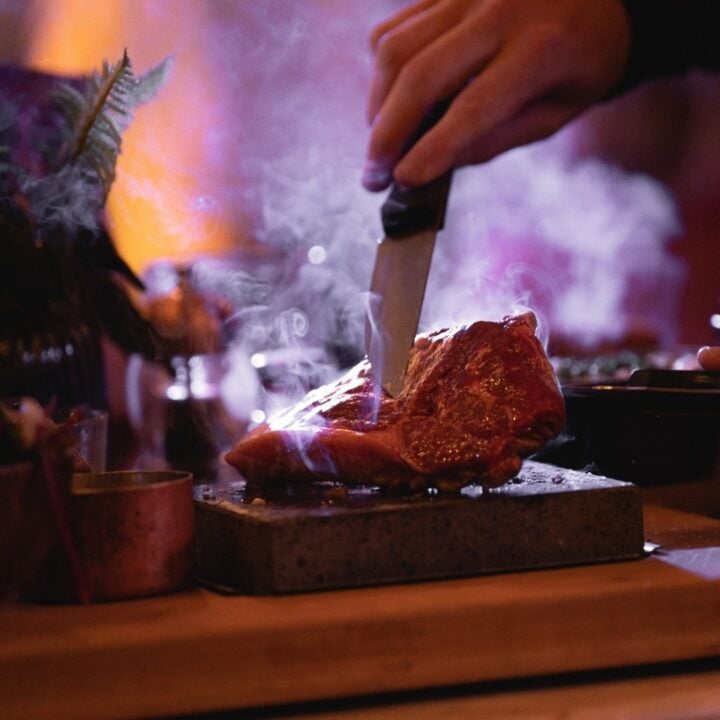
160 205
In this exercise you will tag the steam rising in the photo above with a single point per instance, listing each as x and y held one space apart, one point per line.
537 228
282 133
575 240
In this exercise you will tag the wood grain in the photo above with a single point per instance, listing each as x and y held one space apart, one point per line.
200 651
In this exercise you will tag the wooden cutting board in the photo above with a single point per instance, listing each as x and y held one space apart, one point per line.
201 651
546 517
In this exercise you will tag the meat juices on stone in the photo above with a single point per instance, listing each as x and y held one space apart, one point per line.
477 399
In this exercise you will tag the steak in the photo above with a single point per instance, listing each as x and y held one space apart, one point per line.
477 399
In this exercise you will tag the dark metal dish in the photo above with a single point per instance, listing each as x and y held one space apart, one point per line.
661 426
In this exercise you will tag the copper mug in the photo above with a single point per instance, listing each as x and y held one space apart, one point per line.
133 534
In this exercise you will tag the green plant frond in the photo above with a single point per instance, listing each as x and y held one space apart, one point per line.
149 83
107 135
100 116
68 98
106 86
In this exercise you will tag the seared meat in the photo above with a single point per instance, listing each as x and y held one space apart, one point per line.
477 399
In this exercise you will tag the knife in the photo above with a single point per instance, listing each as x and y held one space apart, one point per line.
411 219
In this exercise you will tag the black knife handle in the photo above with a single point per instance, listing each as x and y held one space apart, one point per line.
407 211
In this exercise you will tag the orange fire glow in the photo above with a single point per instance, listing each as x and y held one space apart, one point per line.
158 207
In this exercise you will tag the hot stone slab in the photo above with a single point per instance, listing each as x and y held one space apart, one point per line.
545 517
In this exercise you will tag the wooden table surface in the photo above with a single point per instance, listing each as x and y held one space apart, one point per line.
198 652
690 692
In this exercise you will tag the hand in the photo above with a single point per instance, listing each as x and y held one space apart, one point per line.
709 358
517 71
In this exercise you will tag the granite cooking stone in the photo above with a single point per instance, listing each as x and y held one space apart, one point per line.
546 517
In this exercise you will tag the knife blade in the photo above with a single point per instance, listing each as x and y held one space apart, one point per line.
411 219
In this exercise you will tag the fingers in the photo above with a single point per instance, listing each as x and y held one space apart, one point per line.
397 45
432 74
536 122
398 19
492 111
504 59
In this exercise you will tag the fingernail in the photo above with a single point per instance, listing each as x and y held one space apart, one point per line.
376 175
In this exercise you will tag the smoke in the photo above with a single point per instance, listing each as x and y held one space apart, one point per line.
70 198
576 241
573 239
270 97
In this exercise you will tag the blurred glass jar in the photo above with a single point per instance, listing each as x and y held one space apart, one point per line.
87 428
180 414
198 427
193 403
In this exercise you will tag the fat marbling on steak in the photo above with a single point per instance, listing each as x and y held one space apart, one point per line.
477 399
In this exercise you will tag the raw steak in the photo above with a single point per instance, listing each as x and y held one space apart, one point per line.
477 399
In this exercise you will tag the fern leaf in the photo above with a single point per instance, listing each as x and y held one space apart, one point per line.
148 85
99 118
70 100
106 86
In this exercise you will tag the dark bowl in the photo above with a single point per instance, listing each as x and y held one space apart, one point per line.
662 426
